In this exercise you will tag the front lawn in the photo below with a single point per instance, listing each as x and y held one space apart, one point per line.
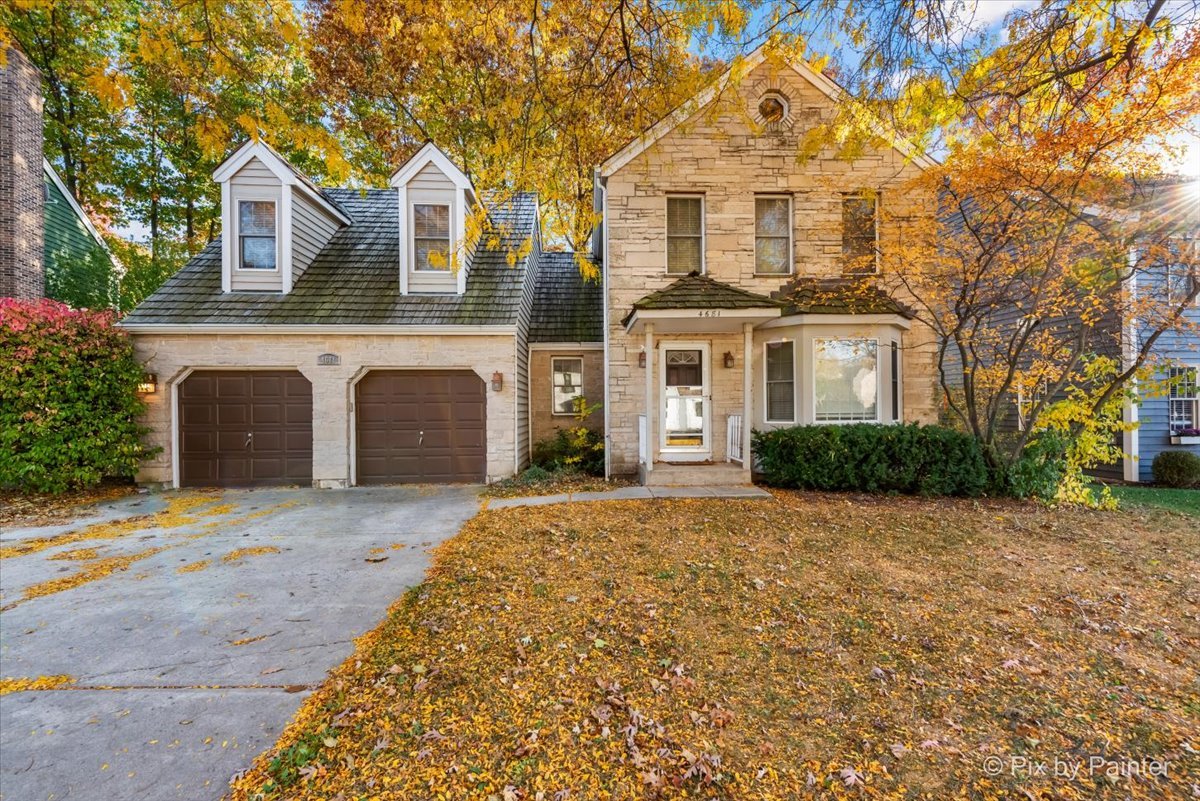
802 647
1186 501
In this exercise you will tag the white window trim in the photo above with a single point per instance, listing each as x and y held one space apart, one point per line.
877 197
412 240
667 232
241 196
766 383
1194 399
878 381
791 248
553 386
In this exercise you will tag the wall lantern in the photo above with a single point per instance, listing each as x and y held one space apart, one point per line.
642 358
497 382
148 385
728 359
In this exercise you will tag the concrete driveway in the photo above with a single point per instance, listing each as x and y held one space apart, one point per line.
191 625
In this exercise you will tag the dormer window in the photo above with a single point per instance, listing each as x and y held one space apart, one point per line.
256 235
431 236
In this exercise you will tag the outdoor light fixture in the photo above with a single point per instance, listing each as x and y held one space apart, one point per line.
148 385
497 382
728 359
641 358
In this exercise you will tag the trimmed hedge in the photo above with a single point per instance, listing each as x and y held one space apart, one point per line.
866 457
1176 469
68 397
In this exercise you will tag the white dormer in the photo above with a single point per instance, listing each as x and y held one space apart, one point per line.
274 221
434 199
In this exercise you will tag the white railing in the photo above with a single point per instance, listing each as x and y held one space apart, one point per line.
733 438
643 445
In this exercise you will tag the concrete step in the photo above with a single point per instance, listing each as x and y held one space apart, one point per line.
696 474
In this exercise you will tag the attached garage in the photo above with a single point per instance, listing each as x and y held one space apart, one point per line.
245 428
421 426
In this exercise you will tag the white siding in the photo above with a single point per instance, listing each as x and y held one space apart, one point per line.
430 177
312 228
255 182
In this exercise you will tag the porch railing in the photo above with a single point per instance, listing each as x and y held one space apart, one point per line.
733 438
643 444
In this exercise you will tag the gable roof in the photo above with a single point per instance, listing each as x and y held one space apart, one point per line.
430 154
692 106
354 280
838 296
566 307
285 172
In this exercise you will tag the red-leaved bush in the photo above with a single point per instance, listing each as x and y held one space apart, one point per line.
68 397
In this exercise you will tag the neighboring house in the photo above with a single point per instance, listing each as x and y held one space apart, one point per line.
48 246
344 336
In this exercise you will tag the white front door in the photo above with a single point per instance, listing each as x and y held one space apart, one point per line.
686 395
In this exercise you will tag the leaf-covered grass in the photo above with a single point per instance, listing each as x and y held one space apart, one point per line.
810 646
1186 501
536 481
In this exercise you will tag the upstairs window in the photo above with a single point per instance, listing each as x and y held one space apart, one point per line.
685 234
781 383
859 233
256 234
431 236
772 235
846 380
568 384
1184 400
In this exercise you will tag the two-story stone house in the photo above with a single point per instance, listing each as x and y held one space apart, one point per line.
341 337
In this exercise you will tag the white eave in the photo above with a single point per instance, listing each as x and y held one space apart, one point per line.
431 154
300 329
698 321
279 167
690 107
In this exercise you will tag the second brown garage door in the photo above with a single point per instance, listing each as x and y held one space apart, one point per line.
421 427
245 428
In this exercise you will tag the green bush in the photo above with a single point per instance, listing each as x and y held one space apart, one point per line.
68 398
1176 469
1038 472
577 448
910 459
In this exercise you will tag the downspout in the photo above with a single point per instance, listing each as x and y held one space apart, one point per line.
604 312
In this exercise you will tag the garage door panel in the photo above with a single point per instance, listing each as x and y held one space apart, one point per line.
218 412
409 426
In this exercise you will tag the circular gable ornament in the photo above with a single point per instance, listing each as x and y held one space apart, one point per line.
773 112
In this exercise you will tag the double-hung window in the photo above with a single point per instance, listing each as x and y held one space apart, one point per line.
568 383
431 236
256 234
781 382
845 380
1183 399
860 227
685 234
772 235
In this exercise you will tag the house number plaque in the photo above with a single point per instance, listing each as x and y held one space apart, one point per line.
329 358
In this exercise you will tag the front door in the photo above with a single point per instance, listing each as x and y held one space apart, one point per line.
686 432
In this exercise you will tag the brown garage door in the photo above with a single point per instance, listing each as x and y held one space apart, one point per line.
421 427
242 429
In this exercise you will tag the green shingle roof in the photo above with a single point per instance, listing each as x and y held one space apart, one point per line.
695 291
566 306
354 280
837 296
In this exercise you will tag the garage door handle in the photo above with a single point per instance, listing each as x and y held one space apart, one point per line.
249 438
420 437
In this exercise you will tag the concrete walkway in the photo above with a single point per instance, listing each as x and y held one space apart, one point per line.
630 494
191 625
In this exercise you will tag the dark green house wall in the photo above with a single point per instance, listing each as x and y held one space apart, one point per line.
79 272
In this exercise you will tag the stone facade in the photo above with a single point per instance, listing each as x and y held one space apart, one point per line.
544 422
721 154
172 356
22 201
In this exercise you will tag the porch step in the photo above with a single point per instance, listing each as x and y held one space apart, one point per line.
704 474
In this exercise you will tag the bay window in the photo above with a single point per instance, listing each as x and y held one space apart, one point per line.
845 380
781 382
